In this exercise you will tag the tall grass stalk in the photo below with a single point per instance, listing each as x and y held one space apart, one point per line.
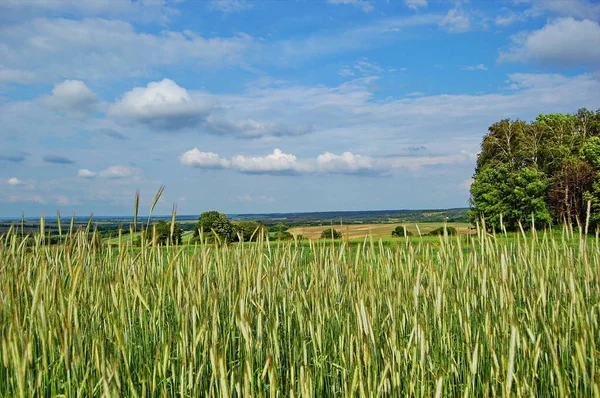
482 315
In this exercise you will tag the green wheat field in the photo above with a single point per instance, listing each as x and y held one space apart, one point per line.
480 315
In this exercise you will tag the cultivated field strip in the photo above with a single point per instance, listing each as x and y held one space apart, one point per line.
494 317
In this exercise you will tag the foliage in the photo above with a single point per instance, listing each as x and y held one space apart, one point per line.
504 198
213 222
249 231
160 233
400 231
529 171
283 235
331 233
443 231
567 194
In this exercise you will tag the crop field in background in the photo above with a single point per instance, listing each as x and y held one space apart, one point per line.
377 231
516 316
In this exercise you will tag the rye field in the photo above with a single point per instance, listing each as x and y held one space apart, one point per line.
480 315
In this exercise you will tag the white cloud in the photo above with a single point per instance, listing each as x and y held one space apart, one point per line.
344 163
160 105
95 48
207 160
508 18
564 42
364 5
73 97
85 173
367 68
230 6
142 11
456 21
14 181
474 67
116 172
277 162
566 8
16 76
27 198
346 72
415 4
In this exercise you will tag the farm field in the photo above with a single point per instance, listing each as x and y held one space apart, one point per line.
377 231
516 315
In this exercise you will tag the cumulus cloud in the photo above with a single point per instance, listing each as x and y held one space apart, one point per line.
73 97
85 173
14 181
364 5
415 4
564 42
206 160
276 162
58 159
116 172
162 105
344 163
281 163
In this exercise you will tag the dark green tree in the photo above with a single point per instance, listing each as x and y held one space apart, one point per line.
445 230
331 233
570 189
505 197
400 231
213 222
249 231
160 233
283 235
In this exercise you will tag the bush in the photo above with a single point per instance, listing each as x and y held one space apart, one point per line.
330 233
440 231
400 231
283 235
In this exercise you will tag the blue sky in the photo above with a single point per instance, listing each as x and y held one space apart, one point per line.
274 106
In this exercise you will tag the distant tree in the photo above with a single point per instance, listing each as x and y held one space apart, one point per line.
444 230
160 233
400 231
211 222
249 230
283 235
331 233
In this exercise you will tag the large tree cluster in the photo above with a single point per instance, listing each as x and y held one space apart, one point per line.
545 172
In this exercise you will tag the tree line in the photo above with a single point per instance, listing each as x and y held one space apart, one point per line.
543 172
